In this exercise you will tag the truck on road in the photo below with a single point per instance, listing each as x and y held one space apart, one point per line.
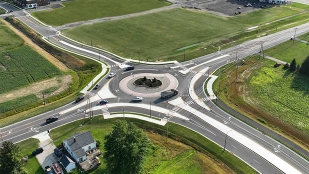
169 93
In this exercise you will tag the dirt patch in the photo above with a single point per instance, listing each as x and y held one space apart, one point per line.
38 49
61 82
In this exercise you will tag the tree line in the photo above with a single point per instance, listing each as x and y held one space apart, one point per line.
303 68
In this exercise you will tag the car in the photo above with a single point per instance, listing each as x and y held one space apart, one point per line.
51 119
130 68
96 87
103 102
137 99
37 151
246 5
57 152
111 75
80 98
238 7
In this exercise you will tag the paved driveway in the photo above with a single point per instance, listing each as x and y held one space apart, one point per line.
47 157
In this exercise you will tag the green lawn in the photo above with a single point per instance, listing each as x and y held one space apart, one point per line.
163 153
26 148
176 34
81 10
288 50
2 11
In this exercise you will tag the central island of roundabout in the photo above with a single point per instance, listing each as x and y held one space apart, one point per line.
129 86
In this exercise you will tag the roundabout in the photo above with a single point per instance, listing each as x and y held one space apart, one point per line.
127 84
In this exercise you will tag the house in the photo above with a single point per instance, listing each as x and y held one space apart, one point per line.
31 3
78 144
67 163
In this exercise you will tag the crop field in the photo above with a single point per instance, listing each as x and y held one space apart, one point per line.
80 10
5 43
17 103
174 34
275 97
283 94
288 50
22 66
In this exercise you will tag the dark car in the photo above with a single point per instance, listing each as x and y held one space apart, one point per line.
103 102
79 99
37 151
130 68
96 87
57 152
51 119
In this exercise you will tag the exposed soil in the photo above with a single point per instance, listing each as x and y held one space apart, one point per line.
61 82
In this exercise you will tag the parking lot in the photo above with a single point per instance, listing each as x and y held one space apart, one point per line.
225 7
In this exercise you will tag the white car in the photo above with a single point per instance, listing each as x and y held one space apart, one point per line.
111 75
137 99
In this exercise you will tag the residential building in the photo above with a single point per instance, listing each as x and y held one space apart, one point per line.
67 163
31 3
78 145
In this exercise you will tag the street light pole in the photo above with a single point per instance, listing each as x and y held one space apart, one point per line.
294 35
123 111
225 140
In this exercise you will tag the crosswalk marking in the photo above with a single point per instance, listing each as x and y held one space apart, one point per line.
175 108
190 102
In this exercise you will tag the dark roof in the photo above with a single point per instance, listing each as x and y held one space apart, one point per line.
82 139
65 161
79 153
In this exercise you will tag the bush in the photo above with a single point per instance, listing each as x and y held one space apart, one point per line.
293 65
286 66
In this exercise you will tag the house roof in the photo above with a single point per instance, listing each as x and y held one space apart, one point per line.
79 153
65 161
81 140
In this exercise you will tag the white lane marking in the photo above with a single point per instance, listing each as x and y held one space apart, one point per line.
233 146
256 161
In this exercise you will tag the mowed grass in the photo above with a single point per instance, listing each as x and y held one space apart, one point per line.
22 66
17 103
167 156
81 10
26 147
287 51
172 34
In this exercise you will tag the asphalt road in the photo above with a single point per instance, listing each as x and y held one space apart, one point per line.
27 128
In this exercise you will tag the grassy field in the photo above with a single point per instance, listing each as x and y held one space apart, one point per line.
80 10
288 50
26 148
178 34
7 44
17 68
168 156
17 103
2 11
274 97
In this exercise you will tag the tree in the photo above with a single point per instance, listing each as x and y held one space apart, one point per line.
304 69
286 66
10 158
293 65
125 148
298 68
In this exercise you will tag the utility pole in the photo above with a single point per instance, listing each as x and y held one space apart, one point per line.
294 35
150 110
262 49
123 111
236 66
43 98
91 42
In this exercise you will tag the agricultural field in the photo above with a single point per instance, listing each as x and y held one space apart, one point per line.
13 42
289 50
167 155
275 97
80 10
178 34
17 68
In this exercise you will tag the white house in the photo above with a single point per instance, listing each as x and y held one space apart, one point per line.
67 163
78 144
